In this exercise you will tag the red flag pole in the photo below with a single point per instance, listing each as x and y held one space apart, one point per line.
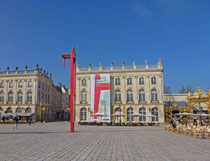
72 84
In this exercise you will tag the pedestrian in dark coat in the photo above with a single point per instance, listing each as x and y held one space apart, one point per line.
16 122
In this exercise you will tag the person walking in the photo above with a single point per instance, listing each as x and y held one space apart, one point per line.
27 119
30 120
173 123
3 118
16 122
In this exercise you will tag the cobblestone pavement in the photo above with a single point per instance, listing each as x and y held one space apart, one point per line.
52 141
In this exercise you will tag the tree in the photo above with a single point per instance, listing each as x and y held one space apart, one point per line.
167 89
186 89
189 88
182 89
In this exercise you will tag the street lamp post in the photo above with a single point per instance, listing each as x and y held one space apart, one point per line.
72 83
120 110
199 106
40 111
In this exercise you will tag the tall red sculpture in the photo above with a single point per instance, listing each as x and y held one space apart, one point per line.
72 82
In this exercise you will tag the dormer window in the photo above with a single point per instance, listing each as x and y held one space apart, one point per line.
83 82
29 83
117 81
129 81
141 81
153 80
20 84
11 84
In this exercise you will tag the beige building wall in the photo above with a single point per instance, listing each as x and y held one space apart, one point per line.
123 72
180 99
41 87
65 114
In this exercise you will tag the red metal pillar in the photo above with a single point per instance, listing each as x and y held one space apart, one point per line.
72 83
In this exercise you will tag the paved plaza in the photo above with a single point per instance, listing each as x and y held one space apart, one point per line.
52 141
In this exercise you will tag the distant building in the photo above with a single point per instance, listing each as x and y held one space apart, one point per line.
24 92
179 98
65 113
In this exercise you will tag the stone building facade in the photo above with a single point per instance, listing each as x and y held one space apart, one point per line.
26 91
134 89
179 98
65 104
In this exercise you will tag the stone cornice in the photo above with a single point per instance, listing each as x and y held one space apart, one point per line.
120 71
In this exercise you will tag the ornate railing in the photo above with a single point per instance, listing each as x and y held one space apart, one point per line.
119 68
17 72
27 72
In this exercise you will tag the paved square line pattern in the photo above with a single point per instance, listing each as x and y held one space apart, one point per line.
53 141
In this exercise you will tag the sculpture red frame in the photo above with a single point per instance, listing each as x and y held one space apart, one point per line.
72 83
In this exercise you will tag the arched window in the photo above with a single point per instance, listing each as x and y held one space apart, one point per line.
117 81
10 96
129 114
29 96
83 114
141 81
142 110
141 95
29 83
1 97
129 81
83 82
83 96
28 110
9 110
118 110
19 96
11 84
18 110
153 80
129 95
154 96
117 95
155 112
2 84
20 84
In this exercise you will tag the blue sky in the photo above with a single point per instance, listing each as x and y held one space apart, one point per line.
38 32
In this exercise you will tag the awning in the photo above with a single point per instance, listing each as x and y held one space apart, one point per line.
185 114
19 114
138 114
118 115
97 114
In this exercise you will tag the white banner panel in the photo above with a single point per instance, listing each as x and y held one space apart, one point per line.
100 98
